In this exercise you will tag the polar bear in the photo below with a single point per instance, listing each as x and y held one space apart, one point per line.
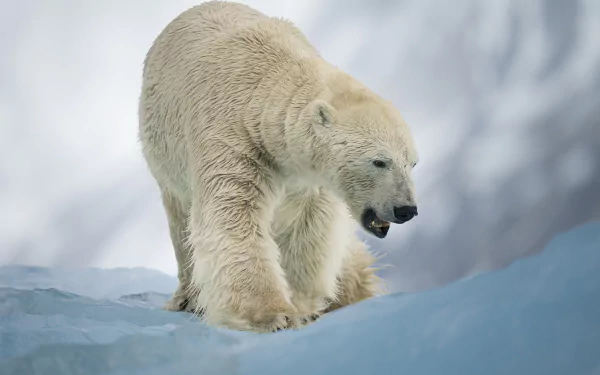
267 157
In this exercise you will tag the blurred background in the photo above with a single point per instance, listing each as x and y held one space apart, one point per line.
503 98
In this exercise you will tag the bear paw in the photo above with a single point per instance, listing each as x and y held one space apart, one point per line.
272 317
310 307
304 320
295 322
181 301
266 318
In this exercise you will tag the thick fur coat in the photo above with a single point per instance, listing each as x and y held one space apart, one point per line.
267 156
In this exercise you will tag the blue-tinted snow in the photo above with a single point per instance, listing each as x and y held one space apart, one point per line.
541 315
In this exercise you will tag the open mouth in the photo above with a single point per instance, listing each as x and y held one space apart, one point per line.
374 225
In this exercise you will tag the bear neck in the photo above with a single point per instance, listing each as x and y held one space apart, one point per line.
285 123
283 116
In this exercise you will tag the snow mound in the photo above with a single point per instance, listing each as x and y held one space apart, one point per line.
538 316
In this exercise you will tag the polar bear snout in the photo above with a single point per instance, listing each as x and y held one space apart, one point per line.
405 213
380 227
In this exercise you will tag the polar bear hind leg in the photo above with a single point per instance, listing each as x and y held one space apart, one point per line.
358 280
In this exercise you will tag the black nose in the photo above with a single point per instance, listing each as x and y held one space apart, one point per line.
405 213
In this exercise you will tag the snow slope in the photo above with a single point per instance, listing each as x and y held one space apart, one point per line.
540 315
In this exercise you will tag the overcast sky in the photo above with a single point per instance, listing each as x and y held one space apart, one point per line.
503 98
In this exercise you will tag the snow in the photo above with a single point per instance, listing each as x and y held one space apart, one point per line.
537 316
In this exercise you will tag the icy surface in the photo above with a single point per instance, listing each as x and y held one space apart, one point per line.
541 315
92 282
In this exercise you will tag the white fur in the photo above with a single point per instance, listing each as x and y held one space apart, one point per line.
263 151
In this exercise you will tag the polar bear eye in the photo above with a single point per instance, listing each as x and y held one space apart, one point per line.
379 163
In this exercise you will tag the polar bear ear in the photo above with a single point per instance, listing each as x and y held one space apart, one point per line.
323 113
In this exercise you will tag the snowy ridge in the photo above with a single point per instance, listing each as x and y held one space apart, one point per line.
537 316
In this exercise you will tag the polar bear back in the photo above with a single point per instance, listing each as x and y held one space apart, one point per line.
224 72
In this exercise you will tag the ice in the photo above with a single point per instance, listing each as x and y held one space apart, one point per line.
91 282
539 315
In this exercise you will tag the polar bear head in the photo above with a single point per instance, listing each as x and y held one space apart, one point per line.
362 146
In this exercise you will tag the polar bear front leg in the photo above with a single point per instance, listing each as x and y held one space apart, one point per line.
236 270
313 231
